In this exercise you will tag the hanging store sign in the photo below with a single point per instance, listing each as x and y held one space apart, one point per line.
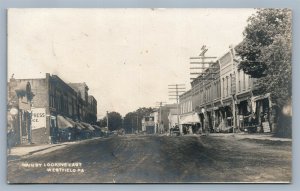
38 118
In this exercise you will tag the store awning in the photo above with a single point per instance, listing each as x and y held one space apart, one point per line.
71 121
227 103
63 123
88 126
255 98
79 126
96 127
189 119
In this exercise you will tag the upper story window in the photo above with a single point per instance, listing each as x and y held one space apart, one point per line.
244 81
230 85
226 86
239 80
223 87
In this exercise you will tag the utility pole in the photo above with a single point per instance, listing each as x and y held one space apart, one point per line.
137 122
107 119
200 68
174 91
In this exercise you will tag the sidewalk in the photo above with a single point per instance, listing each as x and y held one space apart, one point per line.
26 150
31 149
257 136
240 135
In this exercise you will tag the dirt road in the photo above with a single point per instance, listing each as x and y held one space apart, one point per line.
159 159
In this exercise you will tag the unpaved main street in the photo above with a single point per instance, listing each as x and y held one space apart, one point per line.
159 159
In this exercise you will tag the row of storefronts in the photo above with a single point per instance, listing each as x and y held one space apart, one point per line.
48 110
226 102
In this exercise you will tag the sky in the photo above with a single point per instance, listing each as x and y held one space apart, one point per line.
127 57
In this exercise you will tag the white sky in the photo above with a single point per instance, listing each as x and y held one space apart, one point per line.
127 57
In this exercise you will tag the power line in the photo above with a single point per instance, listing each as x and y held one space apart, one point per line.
174 95
202 65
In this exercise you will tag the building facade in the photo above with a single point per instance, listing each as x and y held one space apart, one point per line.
226 100
19 113
161 118
200 105
56 104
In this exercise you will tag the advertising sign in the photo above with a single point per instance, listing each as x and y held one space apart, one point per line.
38 118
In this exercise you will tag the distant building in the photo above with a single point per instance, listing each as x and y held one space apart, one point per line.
173 118
161 117
82 92
91 116
148 124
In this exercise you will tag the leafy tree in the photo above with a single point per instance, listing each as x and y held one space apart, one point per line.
133 120
114 121
102 122
266 53
130 122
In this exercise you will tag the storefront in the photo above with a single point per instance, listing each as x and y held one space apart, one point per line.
244 112
189 123
218 118
210 119
65 129
19 115
224 117
262 105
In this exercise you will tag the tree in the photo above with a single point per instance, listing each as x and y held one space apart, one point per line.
130 122
266 54
114 121
102 122
133 120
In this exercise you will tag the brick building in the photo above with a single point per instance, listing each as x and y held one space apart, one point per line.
198 105
91 110
224 97
55 103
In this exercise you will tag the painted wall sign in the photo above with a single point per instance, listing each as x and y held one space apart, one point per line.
38 118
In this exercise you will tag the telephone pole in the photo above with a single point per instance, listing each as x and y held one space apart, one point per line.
107 119
137 122
199 63
174 91
202 69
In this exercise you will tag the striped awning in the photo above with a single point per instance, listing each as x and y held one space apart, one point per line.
96 127
88 126
79 126
63 123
